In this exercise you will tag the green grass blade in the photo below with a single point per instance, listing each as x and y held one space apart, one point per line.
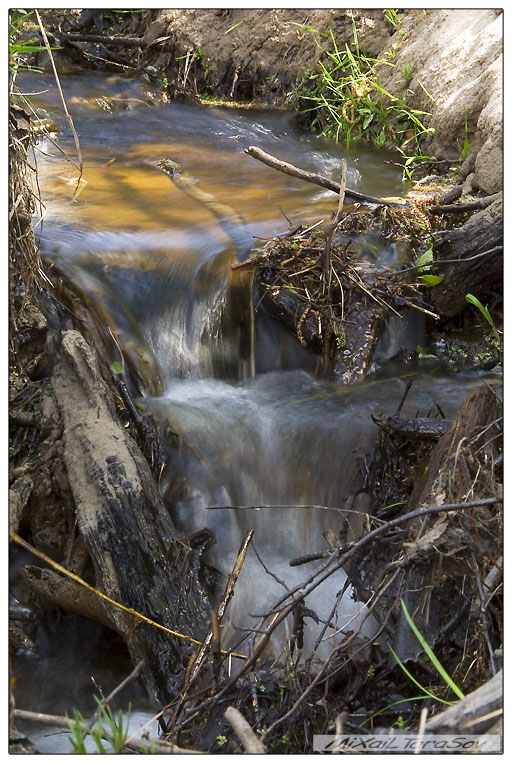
417 683
388 707
430 654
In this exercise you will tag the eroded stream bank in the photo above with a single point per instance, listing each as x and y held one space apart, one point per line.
237 418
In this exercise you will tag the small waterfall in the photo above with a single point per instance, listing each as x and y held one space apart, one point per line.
282 441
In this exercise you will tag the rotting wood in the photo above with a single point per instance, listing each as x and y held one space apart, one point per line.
117 503
312 177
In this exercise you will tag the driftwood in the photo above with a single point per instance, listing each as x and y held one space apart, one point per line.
137 557
482 235
312 177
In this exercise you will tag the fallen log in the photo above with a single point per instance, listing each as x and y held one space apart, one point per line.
138 559
464 271
312 177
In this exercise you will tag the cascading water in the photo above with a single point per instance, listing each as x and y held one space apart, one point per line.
248 424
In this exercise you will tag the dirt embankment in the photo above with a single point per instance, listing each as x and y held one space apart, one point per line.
454 57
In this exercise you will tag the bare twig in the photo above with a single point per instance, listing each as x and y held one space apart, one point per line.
66 112
221 609
336 650
332 228
484 617
246 735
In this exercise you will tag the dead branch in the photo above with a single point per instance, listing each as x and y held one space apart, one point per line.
106 39
221 609
460 209
246 735
473 712
312 177
336 650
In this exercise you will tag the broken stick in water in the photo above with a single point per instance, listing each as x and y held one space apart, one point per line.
313 177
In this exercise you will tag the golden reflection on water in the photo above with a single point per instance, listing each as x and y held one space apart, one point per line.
128 192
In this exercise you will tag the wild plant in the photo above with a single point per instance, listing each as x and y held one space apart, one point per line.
347 101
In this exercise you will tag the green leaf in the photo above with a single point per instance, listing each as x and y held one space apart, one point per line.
116 367
431 280
430 654
485 312
421 261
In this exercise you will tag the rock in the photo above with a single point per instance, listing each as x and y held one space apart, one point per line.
467 166
470 184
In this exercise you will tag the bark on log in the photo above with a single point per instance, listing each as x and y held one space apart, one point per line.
477 275
137 557
67 595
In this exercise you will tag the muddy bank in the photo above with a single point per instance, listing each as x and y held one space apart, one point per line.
447 64
454 57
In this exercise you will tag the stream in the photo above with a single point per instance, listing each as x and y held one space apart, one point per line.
247 422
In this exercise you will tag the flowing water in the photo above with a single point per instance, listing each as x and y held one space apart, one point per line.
256 428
